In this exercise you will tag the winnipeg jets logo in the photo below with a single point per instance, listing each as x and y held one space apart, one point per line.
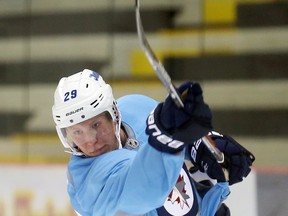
180 199
178 194
94 75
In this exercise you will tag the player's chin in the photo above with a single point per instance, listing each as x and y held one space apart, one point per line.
99 151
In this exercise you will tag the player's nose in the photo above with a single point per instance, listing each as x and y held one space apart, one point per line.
91 137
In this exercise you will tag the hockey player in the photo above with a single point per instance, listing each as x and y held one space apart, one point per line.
128 156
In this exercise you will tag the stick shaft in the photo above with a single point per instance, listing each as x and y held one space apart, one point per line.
166 80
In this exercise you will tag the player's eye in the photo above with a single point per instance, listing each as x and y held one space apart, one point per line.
77 132
96 125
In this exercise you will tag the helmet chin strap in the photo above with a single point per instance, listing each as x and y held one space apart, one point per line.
117 119
117 132
120 146
74 152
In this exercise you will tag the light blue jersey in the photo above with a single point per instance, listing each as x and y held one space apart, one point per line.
124 180
139 182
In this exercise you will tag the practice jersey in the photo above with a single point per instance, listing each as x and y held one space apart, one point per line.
133 181
182 199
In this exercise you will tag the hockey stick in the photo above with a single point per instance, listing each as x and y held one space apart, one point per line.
167 82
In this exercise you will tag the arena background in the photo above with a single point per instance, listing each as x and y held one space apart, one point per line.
237 49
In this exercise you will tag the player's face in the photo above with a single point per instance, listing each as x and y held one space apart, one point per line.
94 136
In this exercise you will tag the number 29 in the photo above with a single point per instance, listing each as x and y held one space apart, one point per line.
70 95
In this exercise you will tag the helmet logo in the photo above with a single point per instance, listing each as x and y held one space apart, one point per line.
94 75
75 111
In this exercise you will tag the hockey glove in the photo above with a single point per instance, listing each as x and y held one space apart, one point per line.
180 125
191 122
237 159
158 136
